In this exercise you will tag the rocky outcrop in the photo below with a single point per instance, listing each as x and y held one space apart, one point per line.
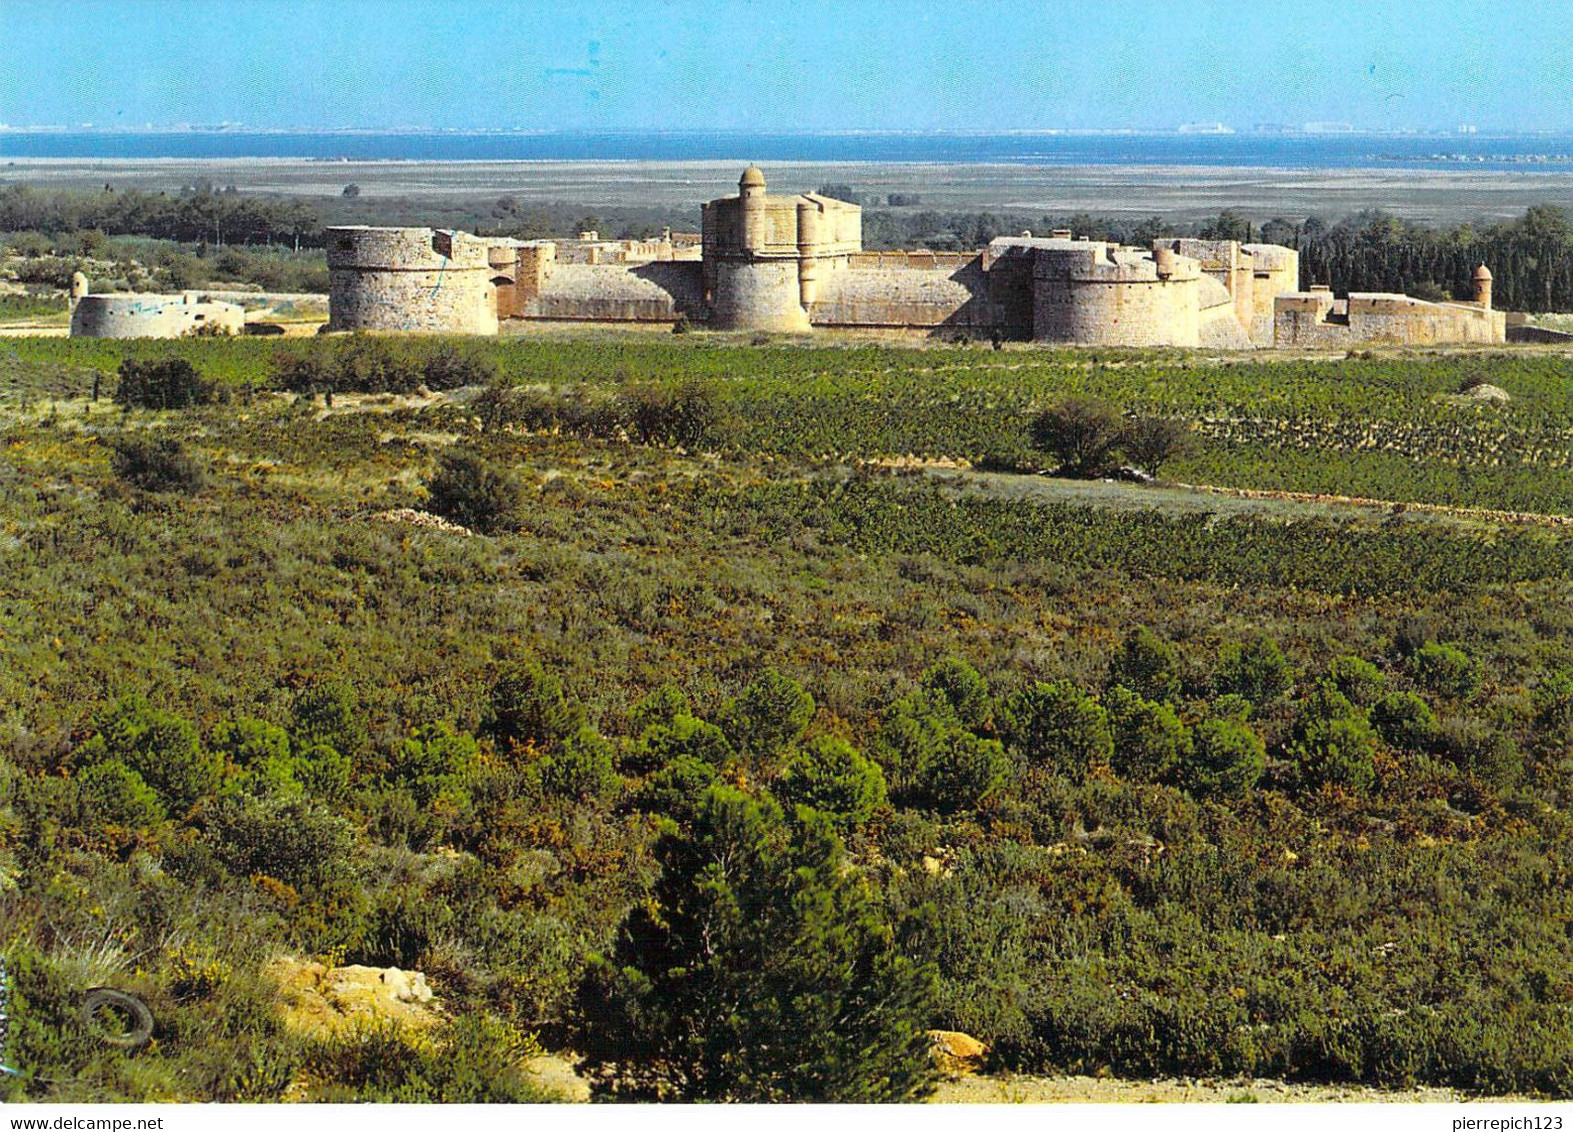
319 1000
957 1054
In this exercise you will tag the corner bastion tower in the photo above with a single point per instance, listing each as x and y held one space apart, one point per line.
793 263
410 279
765 256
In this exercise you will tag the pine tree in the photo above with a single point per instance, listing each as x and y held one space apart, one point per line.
761 969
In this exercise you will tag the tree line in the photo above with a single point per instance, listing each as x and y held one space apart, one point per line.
196 214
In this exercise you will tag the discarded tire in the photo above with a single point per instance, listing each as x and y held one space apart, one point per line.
116 1018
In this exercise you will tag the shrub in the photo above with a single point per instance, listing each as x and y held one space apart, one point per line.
437 762
760 969
1256 669
247 741
1477 746
528 705
1058 726
305 372
832 776
1333 742
1152 442
1553 702
1359 680
769 715
958 684
690 415
1147 665
1227 759
363 364
159 746
1406 721
683 736
156 464
580 768
449 367
1150 741
328 714
960 771
932 761
115 801
163 383
1080 433
323 771
1445 671
467 489
658 708
475 1059
677 788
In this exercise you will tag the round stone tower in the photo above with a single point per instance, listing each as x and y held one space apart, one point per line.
754 263
414 279
1483 286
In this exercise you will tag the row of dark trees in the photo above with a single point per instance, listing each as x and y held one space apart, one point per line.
1531 258
204 216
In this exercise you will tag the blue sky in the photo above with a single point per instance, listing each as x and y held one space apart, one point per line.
797 64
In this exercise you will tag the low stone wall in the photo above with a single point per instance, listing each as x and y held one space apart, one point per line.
1316 321
652 292
905 297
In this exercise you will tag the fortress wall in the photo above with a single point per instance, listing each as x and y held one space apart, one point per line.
414 279
915 261
1230 264
1119 313
1314 320
1219 329
1417 323
905 297
152 316
1010 289
1276 271
652 292
1089 293
757 296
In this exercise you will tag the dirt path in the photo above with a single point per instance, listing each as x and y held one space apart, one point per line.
1095 1090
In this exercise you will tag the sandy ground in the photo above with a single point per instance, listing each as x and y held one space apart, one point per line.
556 1073
1096 1090
1179 192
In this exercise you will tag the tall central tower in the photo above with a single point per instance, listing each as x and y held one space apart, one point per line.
763 254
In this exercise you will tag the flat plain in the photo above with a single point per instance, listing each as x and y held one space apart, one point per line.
1177 192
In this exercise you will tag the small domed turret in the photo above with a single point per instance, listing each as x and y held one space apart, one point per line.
752 182
79 287
1483 286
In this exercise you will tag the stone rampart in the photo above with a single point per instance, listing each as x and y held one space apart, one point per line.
906 297
412 279
153 316
1313 319
652 292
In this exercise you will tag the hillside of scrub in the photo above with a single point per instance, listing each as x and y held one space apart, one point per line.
1387 427
693 754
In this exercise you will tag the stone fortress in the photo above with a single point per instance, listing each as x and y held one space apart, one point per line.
130 315
768 262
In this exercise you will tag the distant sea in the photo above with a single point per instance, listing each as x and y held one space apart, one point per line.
1310 151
